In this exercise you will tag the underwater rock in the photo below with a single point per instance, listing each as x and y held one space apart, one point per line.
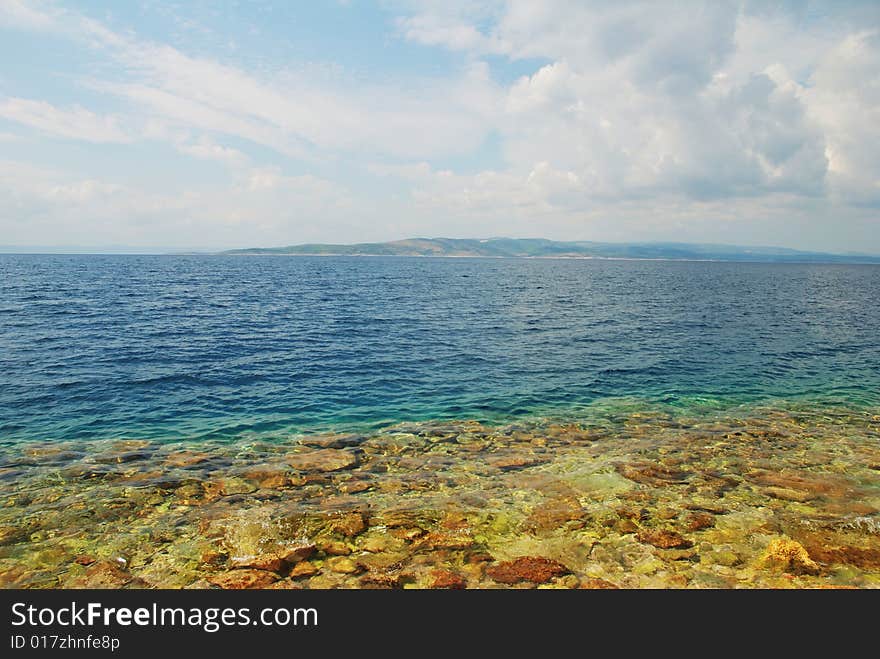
447 579
284 584
11 534
324 460
663 539
334 548
243 579
787 494
725 557
186 458
106 574
838 548
304 569
816 484
296 553
354 486
442 540
554 513
534 569
790 556
592 583
649 473
513 462
697 521
348 524
275 482
381 580
342 565
332 441
269 562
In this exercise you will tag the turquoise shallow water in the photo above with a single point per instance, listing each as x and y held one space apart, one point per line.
189 347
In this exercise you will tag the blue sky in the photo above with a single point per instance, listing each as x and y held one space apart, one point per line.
211 125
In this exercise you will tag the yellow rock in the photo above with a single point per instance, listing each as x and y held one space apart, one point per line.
789 556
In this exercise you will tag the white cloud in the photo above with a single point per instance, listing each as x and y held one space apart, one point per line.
74 123
206 149
638 115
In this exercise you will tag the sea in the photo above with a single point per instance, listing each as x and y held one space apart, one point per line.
218 421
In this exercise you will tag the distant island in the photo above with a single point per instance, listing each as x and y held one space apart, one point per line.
542 248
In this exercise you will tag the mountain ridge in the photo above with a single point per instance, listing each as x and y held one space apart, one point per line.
544 248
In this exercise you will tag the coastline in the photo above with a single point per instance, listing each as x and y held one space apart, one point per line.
643 499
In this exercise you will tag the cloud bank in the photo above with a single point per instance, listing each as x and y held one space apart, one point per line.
714 122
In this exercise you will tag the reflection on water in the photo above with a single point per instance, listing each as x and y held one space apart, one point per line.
754 497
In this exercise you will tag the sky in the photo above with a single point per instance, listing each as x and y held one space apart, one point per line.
206 125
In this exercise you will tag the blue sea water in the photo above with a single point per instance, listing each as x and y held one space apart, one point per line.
181 347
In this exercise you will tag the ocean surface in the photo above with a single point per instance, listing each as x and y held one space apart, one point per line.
191 347
299 422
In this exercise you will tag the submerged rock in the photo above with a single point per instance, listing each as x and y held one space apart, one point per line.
651 473
323 460
342 565
663 539
106 574
243 579
697 521
447 579
304 569
332 441
592 583
790 556
534 569
348 524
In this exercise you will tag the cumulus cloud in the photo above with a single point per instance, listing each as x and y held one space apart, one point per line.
703 100
630 119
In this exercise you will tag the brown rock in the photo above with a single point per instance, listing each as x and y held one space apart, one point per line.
534 569
649 473
275 482
841 548
334 548
214 557
270 562
323 460
447 579
512 462
633 513
787 494
480 557
663 538
592 583
832 485
186 458
284 584
352 487
10 534
342 565
348 524
409 534
381 580
84 559
105 574
555 513
697 521
332 441
627 526
304 569
243 579
296 553
440 540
